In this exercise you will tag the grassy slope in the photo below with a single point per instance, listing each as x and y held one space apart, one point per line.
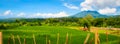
40 33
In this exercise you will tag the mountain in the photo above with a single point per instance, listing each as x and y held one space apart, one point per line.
95 14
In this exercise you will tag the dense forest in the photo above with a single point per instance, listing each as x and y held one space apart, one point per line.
65 21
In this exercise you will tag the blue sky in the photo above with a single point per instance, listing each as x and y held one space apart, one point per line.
55 8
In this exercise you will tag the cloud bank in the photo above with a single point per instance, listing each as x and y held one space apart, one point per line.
36 15
102 6
49 15
107 10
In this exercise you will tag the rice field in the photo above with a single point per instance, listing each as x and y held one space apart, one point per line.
54 35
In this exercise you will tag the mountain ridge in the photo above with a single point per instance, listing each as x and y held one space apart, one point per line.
95 14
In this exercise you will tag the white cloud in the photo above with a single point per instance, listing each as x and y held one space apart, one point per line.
107 11
70 6
49 15
21 14
118 2
100 5
86 5
8 12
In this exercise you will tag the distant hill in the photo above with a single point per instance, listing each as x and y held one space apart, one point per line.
95 14
21 19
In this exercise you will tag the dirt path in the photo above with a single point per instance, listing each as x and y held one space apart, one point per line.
104 30
115 31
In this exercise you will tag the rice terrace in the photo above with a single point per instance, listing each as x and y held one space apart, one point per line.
54 34
59 21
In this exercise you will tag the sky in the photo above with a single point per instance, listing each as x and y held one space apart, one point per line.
55 8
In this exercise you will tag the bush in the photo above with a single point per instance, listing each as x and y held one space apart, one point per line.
4 26
8 26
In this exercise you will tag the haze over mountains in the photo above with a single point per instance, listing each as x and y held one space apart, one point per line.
81 14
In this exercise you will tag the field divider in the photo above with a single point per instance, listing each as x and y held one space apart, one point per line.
0 37
96 36
49 42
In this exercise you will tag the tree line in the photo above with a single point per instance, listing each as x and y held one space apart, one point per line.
65 21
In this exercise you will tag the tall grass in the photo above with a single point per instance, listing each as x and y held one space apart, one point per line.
34 39
70 39
106 36
49 42
86 40
13 38
91 41
58 37
24 41
9 38
97 40
118 33
19 39
46 40
66 41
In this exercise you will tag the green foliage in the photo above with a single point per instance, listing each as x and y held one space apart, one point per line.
87 24
3 26
100 22
17 21
89 17
88 20
8 26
